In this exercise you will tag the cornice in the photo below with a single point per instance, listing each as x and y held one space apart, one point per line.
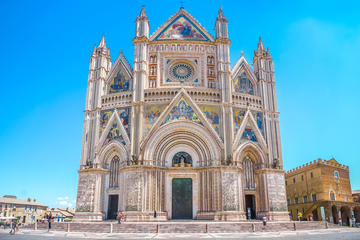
223 40
181 41
140 40
93 170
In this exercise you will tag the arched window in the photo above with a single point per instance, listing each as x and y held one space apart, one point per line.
332 196
114 172
336 174
249 174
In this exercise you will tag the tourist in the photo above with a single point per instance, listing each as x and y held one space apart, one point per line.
119 217
299 216
49 221
13 227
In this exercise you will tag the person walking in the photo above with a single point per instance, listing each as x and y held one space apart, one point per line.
13 228
49 221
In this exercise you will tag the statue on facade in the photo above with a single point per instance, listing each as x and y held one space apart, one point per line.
229 160
276 163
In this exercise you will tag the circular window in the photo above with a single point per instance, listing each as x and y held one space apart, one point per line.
181 72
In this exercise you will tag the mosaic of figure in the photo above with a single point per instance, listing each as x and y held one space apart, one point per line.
259 118
114 134
248 134
239 115
120 83
182 29
182 111
152 113
212 114
243 84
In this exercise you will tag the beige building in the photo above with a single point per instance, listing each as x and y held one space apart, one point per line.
181 132
27 211
322 189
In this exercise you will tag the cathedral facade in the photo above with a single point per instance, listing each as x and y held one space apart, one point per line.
181 134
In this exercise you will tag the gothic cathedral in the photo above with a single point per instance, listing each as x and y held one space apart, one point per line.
181 134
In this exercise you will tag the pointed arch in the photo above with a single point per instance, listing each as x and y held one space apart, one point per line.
251 150
109 151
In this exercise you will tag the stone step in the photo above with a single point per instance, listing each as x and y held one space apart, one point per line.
183 227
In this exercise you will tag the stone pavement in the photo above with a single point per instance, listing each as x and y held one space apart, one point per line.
328 234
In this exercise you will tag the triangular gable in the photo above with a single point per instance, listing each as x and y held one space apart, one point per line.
189 112
114 131
181 26
120 76
249 131
242 63
242 67
124 114
182 111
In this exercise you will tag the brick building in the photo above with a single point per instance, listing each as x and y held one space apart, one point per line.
321 189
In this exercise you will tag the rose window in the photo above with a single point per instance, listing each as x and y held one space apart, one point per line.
181 72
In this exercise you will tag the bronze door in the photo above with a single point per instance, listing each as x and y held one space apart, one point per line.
182 198
113 206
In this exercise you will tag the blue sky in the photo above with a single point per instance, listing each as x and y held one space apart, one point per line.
46 46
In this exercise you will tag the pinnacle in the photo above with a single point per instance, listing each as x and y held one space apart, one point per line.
221 15
260 45
102 43
94 50
142 12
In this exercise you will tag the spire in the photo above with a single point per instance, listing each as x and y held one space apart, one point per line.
102 43
142 15
221 16
94 50
260 46
221 26
142 24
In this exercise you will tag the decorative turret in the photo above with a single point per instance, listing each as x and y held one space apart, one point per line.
224 78
221 26
142 25
100 63
264 71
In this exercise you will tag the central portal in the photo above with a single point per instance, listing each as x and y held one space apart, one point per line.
182 198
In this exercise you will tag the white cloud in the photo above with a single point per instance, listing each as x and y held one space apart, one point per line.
63 203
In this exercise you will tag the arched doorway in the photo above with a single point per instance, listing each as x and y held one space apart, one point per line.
345 216
335 215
